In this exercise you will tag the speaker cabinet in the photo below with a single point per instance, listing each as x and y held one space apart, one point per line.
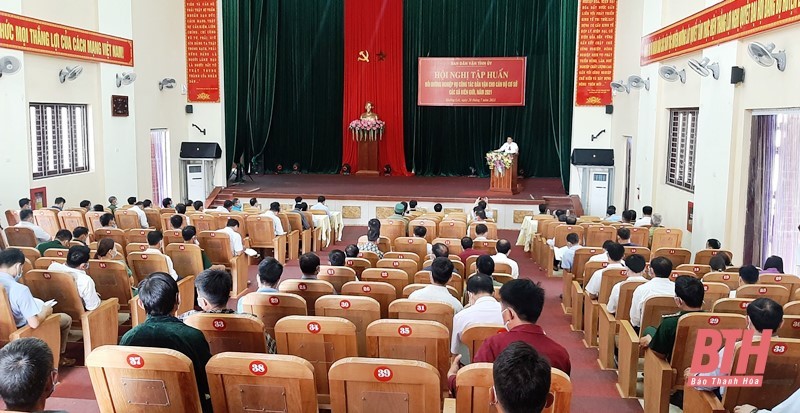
200 150
593 157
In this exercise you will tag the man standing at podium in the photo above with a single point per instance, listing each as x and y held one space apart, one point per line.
510 147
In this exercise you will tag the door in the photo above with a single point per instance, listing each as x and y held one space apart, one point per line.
159 152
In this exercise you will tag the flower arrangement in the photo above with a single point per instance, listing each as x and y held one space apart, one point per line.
367 129
498 161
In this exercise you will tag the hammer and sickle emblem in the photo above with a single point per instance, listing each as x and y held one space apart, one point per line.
363 56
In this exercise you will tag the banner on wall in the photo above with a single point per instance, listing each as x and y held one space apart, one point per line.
202 51
471 81
722 22
39 36
595 64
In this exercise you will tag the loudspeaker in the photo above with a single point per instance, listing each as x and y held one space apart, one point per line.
200 150
609 109
593 157
737 75
189 109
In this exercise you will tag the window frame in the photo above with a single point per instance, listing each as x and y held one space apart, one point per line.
681 149
64 150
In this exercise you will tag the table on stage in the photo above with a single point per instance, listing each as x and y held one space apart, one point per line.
328 225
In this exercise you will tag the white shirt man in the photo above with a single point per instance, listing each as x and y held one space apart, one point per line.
652 288
141 214
485 310
645 220
593 287
85 284
276 221
156 251
501 258
439 293
319 206
236 240
39 232
613 299
510 147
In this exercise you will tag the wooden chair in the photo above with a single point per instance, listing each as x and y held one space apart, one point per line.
271 307
384 243
241 382
310 290
320 340
92 219
582 256
474 336
488 246
71 220
731 305
20 237
99 325
730 279
393 228
791 282
453 244
791 308
205 222
597 235
369 256
316 232
337 276
217 246
12 217
778 293
677 273
667 238
790 327
361 311
153 216
48 331
678 256
699 269
450 228
662 377
166 217
418 246
704 256
173 236
714 292
230 332
305 236
111 280
47 219
187 259
404 255
262 237
359 264
431 227
577 294
643 251
127 219
608 323
406 265
127 378
491 226
45 262
56 253
383 293
137 235
408 309
640 236
116 234
561 232
31 254
143 264
591 308
373 385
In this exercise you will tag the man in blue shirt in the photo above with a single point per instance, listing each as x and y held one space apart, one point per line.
269 274
568 257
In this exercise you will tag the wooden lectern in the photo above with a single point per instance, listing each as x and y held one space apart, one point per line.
368 157
505 182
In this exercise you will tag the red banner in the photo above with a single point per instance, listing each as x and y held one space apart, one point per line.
722 22
39 36
595 65
202 51
471 81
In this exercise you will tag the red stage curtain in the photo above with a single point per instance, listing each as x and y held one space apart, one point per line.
374 26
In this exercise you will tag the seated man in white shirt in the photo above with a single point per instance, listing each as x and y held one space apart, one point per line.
480 232
225 207
441 272
611 214
659 284
748 274
635 264
320 205
510 147
647 217
615 254
134 206
503 248
603 256
26 221
420 232
77 264
274 210
155 239
232 229
482 309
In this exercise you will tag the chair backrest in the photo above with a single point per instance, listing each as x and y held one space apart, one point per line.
611 277
71 219
165 218
241 382
791 282
393 228
626 299
187 259
713 292
127 219
60 286
204 222
453 244
111 280
409 309
384 385
404 255
591 268
359 264
44 262
704 256
678 273
561 232
310 290
7 323
643 251
408 266
116 234
491 226
383 293
548 229
20 237
56 253
431 227
230 332
295 221
153 216
138 235
582 256
597 235
12 216
361 311
667 238
136 247
384 244
731 279
731 305
778 293
396 277
418 246
143 264
31 253
222 221
791 308
678 256
337 276
271 307
640 236
262 231
320 340
217 246
93 220
655 308
790 327
369 256
780 376
699 269
132 379
47 219
450 228
488 246
474 336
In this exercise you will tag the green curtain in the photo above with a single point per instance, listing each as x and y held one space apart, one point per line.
447 141
283 82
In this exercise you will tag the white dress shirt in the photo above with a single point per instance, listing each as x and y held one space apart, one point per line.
141 214
602 257
643 221
39 232
236 240
613 299
509 148
85 284
438 293
501 258
222 209
170 267
790 405
652 288
276 220
486 310
321 207
593 287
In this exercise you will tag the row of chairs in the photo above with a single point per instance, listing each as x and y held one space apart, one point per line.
452 226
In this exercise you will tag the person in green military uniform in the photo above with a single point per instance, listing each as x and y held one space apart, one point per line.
689 298
63 237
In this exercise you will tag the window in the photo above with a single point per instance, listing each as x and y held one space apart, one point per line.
681 148
59 139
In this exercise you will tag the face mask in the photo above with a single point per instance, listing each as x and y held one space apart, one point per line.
19 274
505 323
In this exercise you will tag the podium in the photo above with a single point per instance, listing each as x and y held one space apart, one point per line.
505 182
368 157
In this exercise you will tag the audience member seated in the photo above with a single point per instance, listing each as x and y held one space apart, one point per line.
158 295
155 240
373 234
790 405
713 244
479 215
420 232
336 258
269 275
412 206
26 221
320 205
80 234
107 221
309 266
689 298
719 262
232 229
213 290
468 251
237 205
628 216
351 251
198 206
98 208
656 223
299 209
86 204
27 375
647 217
399 214
773 265
134 207
26 309
112 203
225 207
77 264
189 234
59 203
568 256
63 237
482 309
180 209
521 380
25 203
480 232
611 214
176 221
485 265
748 274
603 256
272 213
624 237
441 272
635 264
482 204
659 284
106 251
615 254
252 207
439 250
437 208
503 249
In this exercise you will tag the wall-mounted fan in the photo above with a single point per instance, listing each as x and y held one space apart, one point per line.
705 67
764 55
672 74
9 65
125 78
167 82
619 86
637 82
70 73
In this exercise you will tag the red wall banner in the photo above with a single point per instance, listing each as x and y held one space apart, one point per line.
471 81
595 64
722 22
202 51
39 36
